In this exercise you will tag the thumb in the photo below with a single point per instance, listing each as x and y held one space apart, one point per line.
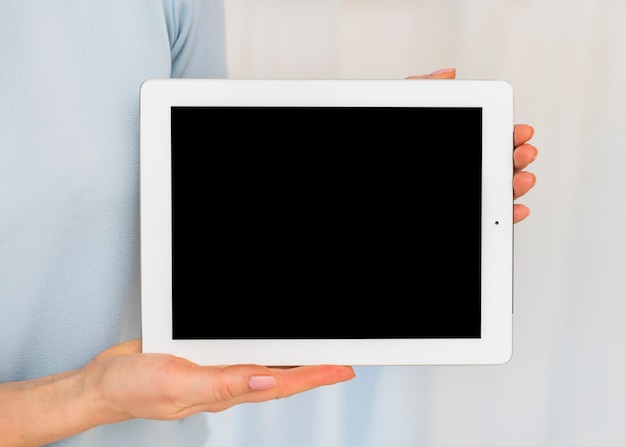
124 348
443 73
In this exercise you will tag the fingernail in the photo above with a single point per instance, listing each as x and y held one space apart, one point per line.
261 382
442 70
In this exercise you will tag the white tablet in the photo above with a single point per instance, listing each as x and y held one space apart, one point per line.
353 222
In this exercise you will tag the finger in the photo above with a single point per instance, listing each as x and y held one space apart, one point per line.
520 212
522 133
444 73
522 183
239 384
290 381
523 156
296 380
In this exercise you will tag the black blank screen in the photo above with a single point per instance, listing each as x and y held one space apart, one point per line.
326 222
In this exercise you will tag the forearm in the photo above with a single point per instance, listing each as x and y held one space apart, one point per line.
43 410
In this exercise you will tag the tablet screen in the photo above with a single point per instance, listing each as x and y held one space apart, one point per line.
326 222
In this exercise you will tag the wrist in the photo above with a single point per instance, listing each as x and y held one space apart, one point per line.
98 406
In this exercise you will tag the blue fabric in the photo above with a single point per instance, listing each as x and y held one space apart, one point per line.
70 73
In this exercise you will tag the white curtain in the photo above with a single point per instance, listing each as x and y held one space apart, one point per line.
565 60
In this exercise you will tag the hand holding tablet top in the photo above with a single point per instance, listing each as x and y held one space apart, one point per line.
314 208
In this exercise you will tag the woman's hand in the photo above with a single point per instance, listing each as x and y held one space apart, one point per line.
129 384
523 152
121 383
523 181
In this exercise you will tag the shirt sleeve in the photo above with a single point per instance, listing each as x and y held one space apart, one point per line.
196 30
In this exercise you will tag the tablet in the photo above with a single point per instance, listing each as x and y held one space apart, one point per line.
353 222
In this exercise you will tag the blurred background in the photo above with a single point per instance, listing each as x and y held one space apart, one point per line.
566 62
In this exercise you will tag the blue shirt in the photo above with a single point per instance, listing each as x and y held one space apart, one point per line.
70 73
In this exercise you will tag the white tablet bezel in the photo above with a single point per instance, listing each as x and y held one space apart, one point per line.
495 97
